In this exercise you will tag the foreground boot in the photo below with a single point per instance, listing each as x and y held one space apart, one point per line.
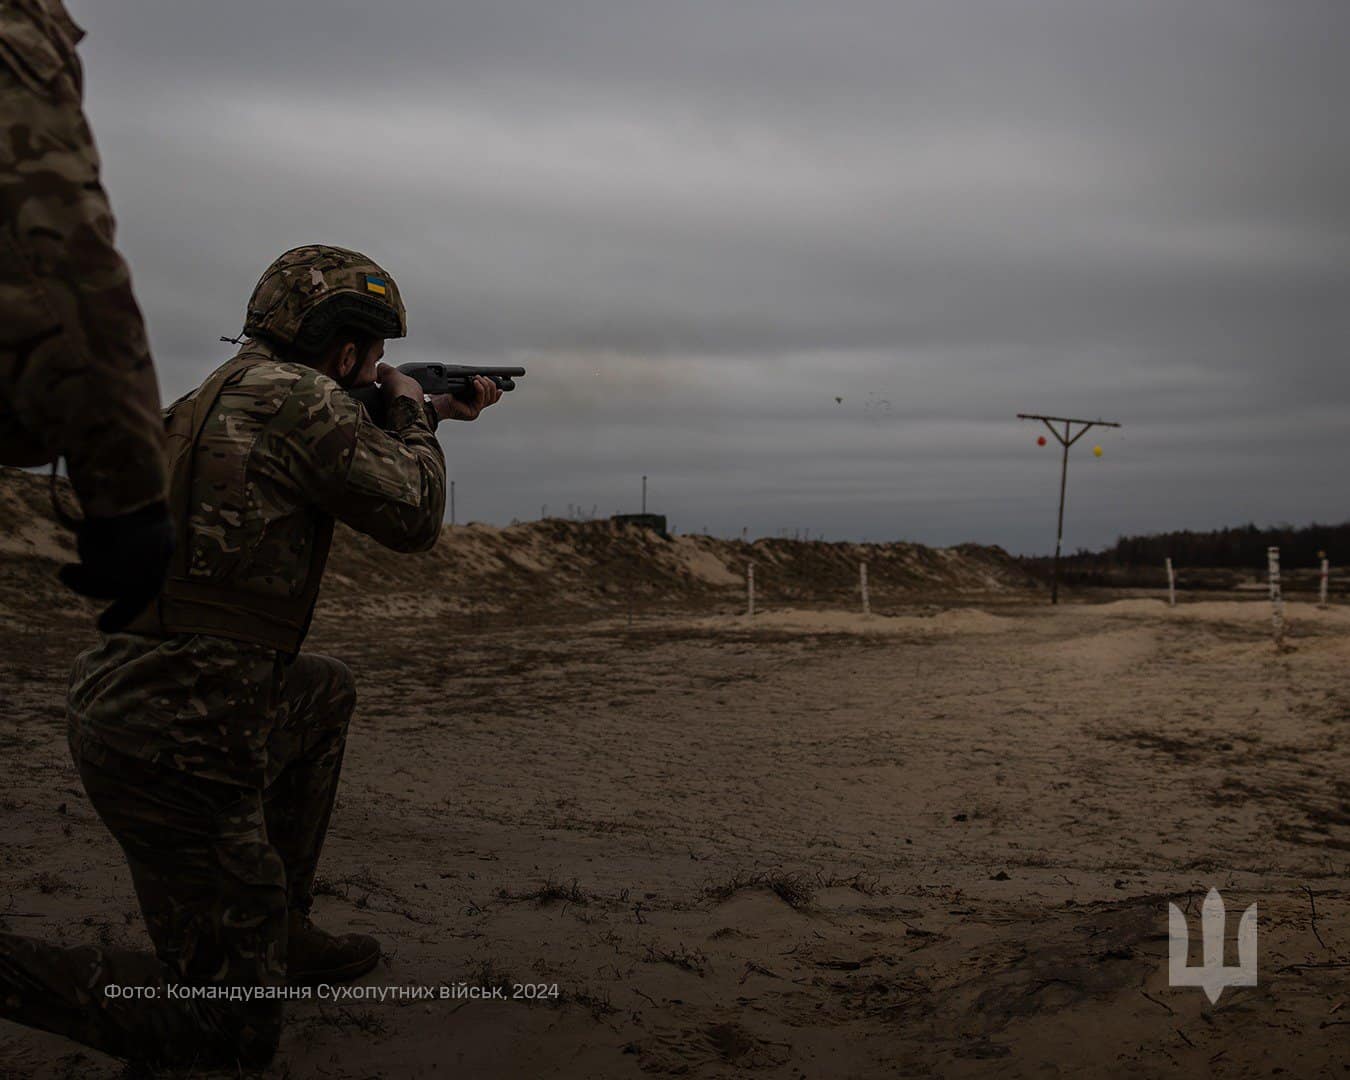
314 956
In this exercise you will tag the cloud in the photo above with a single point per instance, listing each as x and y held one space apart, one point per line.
700 223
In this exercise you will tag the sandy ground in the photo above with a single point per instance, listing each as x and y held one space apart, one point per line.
816 845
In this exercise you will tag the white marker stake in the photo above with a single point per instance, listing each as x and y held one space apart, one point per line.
1171 585
750 587
867 600
1322 591
1276 600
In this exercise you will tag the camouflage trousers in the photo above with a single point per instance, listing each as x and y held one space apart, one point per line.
76 377
217 868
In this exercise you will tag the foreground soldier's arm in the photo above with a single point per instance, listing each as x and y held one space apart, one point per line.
76 379
389 485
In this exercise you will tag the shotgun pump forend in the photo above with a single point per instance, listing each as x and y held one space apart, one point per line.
453 379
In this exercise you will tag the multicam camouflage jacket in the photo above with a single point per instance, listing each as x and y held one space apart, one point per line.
298 442
263 457
38 39
283 451
76 377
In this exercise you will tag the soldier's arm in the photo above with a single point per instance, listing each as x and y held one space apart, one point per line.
73 347
389 485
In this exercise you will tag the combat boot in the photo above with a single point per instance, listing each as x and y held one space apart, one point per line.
314 956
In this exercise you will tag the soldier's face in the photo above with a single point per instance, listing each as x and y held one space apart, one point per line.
354 369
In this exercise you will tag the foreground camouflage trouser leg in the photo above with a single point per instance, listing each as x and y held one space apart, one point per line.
75 370
216 867
213 894
315 703
64 990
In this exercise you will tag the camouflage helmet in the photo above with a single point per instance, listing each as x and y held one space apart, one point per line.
311 292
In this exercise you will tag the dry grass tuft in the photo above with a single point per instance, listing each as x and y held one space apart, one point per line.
795 890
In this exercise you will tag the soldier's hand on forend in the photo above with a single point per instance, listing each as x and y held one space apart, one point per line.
122 559
486 392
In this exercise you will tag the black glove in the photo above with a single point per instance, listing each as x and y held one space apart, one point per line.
122 559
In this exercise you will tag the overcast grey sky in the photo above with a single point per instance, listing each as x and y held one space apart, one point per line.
700 223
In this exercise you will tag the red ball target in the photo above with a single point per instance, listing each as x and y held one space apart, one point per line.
1040 441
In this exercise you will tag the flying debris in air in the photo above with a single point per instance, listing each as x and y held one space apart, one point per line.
876 408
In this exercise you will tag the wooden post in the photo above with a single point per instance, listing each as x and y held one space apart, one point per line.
1066 440
750 588
452 502
1322 588
1171 584
1059 532
1276 599
866 599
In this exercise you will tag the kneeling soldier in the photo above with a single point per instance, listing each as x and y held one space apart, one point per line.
208 743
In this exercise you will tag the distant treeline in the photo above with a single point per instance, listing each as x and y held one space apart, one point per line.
1234 548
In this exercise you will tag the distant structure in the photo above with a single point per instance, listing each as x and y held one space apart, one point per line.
644 520
1065 440
655 522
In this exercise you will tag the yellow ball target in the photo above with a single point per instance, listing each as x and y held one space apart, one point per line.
1096 451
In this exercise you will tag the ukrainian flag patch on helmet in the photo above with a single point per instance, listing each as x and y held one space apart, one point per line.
376 285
